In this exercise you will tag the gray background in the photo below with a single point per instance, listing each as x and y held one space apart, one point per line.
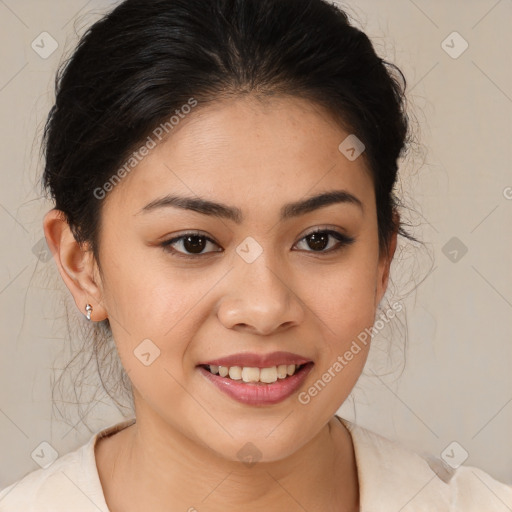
457 383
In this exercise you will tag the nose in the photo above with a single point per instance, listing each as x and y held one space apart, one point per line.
259 300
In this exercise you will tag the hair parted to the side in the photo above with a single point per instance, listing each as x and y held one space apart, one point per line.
140 63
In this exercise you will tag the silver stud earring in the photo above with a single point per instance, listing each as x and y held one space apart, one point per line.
88 308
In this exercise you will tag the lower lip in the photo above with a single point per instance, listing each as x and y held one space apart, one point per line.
256 393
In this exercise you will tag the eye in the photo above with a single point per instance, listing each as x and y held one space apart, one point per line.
193 245
320 239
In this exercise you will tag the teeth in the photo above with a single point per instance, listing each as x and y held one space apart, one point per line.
268 375
253 374
250 374
282 371
235 372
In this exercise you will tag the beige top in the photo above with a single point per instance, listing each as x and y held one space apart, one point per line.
391 479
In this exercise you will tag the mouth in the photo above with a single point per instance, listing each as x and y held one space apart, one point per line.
257 380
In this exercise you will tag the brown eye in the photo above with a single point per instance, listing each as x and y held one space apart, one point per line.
194 244
319 240
189 244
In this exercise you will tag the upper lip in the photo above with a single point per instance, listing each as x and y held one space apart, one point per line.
249 359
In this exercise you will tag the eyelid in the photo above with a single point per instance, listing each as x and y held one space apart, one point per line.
326 228
188 233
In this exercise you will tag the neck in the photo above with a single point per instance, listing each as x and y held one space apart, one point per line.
154 466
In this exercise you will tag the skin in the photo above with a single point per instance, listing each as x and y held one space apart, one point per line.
182 451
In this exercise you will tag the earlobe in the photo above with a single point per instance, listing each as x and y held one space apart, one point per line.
75 263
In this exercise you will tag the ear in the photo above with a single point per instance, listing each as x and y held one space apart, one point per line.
76 264
385 259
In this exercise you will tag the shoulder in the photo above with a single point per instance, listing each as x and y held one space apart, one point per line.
393 477
71 482
45 488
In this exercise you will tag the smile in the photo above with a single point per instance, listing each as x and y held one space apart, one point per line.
257 380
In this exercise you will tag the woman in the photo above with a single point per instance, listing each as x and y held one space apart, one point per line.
223 176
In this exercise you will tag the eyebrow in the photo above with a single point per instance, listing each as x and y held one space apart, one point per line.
235 214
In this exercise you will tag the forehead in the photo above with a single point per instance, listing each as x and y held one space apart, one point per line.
245 151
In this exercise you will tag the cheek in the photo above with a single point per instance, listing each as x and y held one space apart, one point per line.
345 307
154 321
346 299
149 310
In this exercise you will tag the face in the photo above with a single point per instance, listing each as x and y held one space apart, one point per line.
248 284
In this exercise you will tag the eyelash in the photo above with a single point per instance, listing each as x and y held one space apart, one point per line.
343 241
